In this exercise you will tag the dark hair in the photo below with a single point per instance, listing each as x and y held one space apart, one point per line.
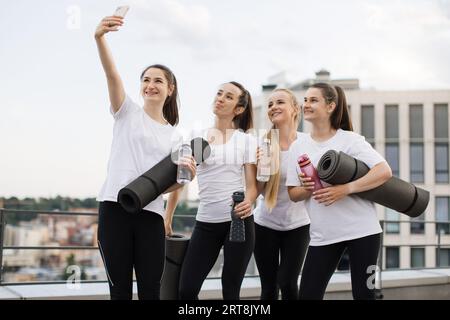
244 120
170 109
340 118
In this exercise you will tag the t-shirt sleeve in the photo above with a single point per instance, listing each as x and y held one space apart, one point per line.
292 179
127 107
251 145
176 139
362 150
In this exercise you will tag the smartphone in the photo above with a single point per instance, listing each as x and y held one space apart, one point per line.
121 11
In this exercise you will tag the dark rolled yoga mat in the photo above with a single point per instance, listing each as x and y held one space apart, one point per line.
147 187
176 247
340 168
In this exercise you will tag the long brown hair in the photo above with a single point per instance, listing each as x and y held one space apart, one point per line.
170 108
340 118
273 185
244 120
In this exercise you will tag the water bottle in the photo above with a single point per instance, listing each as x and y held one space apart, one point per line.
183 174
237 227
308 170
263 170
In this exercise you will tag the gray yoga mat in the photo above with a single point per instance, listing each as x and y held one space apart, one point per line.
340 168
176 247
158 179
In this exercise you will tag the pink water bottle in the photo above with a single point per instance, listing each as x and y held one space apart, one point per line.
308 170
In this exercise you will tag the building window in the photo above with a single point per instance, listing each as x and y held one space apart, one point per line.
441 121
416 147
417 257
417 225
392 257
441 162
391 121
392 143
368 123
416 157
443 257
392 157
416 121
442 215
392 227
441 158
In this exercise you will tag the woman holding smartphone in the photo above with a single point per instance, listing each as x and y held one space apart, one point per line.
339 220
233 155
281 225
142 136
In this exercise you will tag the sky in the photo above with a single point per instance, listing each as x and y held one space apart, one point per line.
55 127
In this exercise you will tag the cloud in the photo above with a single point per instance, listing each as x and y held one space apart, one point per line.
214 35
396 17
386 44
445 6
173 21
406 45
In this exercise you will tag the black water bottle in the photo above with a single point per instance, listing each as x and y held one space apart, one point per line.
237 227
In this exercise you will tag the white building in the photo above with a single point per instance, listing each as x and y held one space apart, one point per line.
411 130
26 234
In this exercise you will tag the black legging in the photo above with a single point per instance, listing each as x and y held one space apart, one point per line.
279 257
321 262
131 240
204 247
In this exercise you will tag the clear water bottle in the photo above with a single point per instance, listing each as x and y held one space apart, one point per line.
183 174
263 170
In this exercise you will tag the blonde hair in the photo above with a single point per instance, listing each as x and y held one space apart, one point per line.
273 185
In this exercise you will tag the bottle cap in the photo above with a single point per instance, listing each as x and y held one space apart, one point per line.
303 160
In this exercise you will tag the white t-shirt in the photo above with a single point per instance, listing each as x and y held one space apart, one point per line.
286 215
139 143
222 174
349 218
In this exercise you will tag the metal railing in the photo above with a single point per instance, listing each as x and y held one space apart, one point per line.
438 234
5 212
3 222
382 253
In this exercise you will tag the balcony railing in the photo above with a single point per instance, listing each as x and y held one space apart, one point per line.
5 212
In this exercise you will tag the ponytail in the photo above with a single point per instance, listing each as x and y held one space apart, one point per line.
341 117
244 120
